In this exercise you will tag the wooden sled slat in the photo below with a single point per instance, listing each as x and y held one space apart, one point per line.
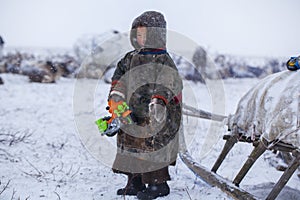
214 179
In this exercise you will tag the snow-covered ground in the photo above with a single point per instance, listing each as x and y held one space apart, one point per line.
42 156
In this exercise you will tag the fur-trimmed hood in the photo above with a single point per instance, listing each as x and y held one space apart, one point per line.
156 30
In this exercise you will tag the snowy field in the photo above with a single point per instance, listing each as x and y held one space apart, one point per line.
42 156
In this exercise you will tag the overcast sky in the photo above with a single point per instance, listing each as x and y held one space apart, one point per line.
253 27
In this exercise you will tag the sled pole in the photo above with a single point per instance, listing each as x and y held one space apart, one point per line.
230 142
255 154
194 112
285 176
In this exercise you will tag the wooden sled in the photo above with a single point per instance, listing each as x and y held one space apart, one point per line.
260 146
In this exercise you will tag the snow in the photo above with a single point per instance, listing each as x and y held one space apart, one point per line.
52 162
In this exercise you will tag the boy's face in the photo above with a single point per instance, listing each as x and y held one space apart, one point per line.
141 33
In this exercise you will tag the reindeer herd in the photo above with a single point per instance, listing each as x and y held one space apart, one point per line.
37 68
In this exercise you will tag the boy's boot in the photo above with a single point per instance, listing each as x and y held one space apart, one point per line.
154 191
134 185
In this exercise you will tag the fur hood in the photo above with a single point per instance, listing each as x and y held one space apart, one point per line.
156 30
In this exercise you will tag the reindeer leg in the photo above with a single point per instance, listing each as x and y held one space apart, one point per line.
285 176
227 147
255 154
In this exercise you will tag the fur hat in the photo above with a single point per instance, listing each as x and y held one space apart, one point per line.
156 30
150 19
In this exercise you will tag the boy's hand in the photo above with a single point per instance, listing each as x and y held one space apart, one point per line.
157 110
119 109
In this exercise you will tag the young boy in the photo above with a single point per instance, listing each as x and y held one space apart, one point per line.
147 80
